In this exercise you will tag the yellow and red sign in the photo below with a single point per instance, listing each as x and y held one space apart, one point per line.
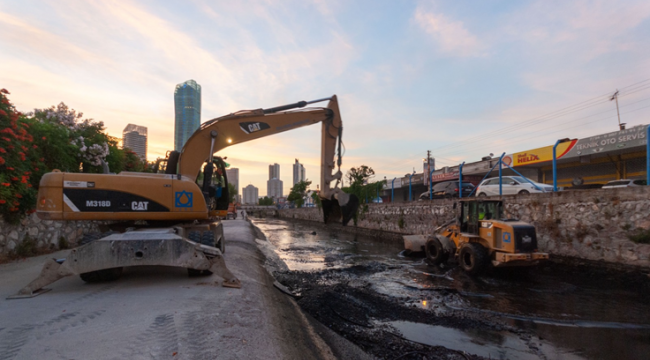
539 155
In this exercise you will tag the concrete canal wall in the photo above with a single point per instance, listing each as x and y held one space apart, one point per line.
589 224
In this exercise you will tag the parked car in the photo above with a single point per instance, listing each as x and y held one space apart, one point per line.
624 183
511 185
447 189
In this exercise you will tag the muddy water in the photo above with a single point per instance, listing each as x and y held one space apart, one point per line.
573 312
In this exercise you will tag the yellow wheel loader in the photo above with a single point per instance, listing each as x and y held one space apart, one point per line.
182 215
482 237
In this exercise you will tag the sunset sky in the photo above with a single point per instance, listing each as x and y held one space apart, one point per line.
462 79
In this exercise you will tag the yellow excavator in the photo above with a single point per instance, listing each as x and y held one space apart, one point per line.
181 215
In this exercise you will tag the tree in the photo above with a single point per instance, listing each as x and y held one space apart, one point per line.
359 175
266 201
298 192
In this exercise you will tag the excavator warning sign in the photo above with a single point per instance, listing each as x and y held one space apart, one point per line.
183 199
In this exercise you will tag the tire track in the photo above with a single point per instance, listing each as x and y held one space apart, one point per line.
196 330
159 341
94 293
14 340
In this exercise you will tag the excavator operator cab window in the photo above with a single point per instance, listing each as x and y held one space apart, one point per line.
213 181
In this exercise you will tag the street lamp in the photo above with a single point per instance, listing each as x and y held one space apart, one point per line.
555 162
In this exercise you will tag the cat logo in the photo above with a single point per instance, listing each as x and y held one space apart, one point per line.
251 127
139 205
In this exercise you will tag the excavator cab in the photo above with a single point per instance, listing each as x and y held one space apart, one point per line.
213 181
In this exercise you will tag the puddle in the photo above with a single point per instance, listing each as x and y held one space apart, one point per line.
489 344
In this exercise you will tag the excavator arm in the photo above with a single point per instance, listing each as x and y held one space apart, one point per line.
247 125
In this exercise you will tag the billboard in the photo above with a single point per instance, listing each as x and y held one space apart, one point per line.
539 155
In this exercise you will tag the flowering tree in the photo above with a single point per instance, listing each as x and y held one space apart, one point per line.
54 138
19 158
88 136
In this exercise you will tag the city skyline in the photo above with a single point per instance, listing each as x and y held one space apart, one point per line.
460 79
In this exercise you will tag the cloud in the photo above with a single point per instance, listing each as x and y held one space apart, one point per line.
451 35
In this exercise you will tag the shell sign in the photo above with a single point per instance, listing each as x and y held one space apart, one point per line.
539 155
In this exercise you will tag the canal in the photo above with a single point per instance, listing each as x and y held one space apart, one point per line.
554 311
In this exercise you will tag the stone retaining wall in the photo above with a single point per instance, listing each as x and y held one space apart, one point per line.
46 233
587 224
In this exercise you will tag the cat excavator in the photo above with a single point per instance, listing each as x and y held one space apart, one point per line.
175 216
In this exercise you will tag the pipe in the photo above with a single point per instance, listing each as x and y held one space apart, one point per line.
555 165
392 190
410 177
460 180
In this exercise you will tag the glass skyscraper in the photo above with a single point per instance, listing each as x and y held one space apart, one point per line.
187 106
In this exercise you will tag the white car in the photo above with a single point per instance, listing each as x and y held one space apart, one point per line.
624 183
511 185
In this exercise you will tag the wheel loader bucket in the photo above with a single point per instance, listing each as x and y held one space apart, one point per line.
343 208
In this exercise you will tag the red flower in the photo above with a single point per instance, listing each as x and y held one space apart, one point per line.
35 147
31 211
5 184
10 168
3 113
44 138
14 179
16 203
24 181
42 159
2 151
27 173
29 185
5 139
2 161
35 169
4 91
2 201
19 196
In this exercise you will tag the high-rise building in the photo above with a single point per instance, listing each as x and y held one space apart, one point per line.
233 178
134 137
298 172
187 107
274 171
274 188
251 195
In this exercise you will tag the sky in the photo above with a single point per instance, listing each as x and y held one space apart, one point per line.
460 78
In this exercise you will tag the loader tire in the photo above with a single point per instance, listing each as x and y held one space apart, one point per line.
473 258
436 254
99 275
194 236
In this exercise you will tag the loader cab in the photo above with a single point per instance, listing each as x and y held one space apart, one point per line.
472 212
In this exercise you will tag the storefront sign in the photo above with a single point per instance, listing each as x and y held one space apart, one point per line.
539 155
624 139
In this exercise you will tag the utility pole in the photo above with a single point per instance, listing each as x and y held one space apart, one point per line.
615 98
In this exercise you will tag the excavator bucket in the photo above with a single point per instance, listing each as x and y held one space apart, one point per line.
341 209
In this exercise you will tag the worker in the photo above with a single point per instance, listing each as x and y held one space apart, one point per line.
219 182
